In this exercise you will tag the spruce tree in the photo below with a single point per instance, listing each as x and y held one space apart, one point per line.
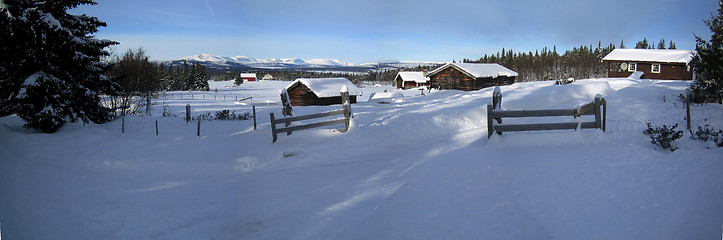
51 70
199 75
708 63
661 44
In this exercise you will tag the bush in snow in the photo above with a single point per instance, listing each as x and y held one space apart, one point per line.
226 115
564 81
663 136
707 134
223 115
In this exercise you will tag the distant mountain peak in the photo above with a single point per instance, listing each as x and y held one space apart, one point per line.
224 62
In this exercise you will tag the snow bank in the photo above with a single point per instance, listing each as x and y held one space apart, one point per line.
386 97
418 169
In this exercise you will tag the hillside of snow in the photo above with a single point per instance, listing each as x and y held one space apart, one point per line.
421 168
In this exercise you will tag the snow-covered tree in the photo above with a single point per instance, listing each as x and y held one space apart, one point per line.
708 63
200 82
51 69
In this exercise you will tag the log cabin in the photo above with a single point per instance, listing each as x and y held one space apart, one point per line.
320 91
654 63
407 80
470 76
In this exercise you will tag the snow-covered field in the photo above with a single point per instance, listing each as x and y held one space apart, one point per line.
419 169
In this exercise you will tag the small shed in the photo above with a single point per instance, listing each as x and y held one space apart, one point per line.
407 80
248 77
665 64
470 76
268 77
320 91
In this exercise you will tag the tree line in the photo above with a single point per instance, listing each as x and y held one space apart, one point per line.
548 64
136 74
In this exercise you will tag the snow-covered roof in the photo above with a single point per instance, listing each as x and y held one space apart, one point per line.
248 75
327 87
413 77
478 70
650 55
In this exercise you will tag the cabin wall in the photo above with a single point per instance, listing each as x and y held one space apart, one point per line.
668 71
300 95
451 78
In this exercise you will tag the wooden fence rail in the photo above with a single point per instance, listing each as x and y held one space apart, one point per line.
494 114
346 111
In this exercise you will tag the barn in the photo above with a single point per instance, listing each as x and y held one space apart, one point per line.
407 80
665 64
248 77
320 91
470 76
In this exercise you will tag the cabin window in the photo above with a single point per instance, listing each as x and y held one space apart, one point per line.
655 68
632 67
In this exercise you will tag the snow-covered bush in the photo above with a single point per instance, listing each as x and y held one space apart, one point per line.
223 115
564 81
227 115
663 136
708 134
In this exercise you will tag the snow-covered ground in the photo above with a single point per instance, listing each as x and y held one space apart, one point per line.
418 169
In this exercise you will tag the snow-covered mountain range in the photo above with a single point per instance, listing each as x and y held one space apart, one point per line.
245 63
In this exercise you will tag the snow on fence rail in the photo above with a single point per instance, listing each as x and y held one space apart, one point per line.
346 111
494 113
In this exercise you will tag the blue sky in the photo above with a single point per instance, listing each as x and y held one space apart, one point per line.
374 30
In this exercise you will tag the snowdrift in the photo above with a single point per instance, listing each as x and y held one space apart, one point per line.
418 169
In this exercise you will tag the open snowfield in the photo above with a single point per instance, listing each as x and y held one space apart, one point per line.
418 169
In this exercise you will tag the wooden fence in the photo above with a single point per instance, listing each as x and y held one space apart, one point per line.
346 111
494 114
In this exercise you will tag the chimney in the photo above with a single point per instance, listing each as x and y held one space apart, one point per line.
424 73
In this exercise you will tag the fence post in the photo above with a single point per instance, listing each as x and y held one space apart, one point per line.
148 104
490 121
273 127
286 103
497 98
346 104
286 124
605 114
156 127
254 111
598 116
188 113
687 109
198 133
